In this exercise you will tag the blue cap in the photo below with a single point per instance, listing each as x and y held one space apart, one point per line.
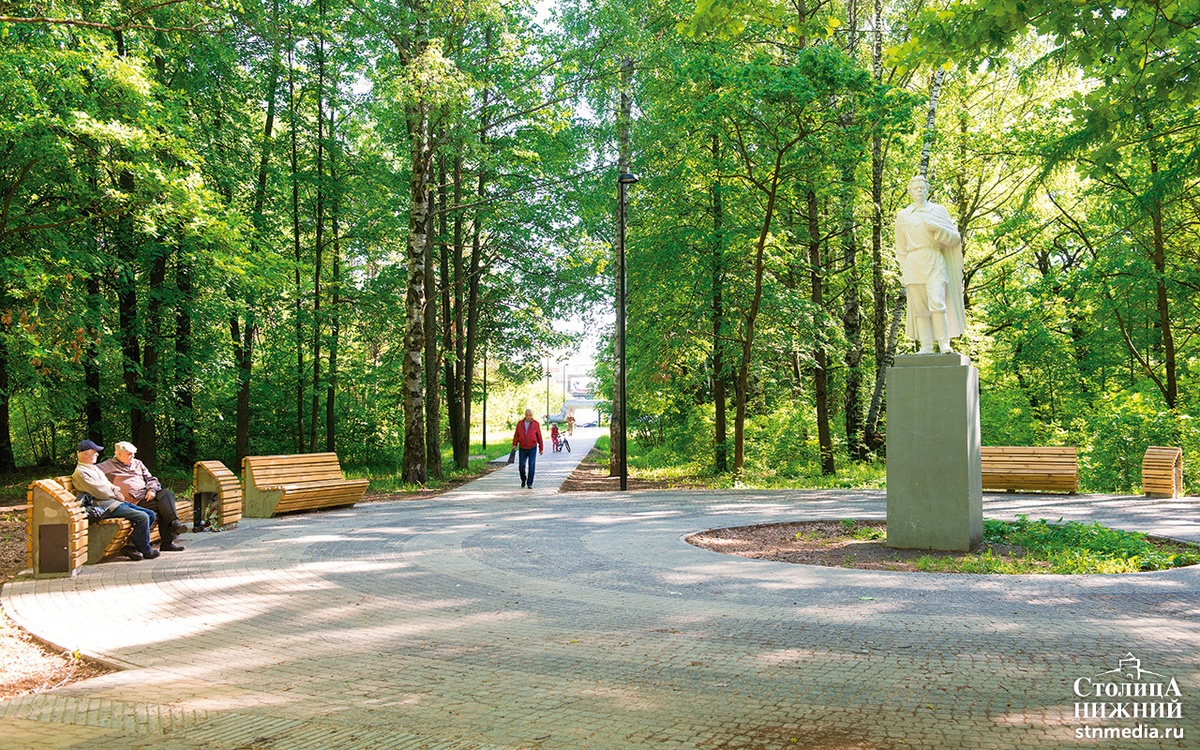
88 445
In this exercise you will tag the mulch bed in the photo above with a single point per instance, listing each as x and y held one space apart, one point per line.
822 543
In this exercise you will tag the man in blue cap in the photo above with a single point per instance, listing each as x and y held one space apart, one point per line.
88 479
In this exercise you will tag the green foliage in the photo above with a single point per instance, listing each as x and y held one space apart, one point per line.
1075 547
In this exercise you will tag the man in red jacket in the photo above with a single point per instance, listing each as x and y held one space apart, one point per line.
527 437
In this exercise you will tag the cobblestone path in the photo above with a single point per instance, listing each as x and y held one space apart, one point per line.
492 617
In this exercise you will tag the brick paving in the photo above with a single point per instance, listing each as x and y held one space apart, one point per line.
494 617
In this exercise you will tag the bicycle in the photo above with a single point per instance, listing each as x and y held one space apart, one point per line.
558 442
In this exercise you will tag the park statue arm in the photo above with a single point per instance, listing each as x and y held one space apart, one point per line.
945 232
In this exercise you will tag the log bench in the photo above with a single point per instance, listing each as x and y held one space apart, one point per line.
1162 472
308 481
1036 468
218 494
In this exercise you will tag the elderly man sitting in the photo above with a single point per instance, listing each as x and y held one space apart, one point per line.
89 479
141 488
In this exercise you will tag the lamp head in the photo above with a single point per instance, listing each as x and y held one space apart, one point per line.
627 178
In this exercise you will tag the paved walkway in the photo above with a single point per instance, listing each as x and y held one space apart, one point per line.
492 617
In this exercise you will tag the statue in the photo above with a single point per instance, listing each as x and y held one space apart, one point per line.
929 251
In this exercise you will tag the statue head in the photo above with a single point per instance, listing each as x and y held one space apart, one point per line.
918 189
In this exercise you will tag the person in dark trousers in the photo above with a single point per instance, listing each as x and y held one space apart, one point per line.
89 480
527 437
141 488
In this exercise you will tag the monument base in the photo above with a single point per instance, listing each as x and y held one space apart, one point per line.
934 476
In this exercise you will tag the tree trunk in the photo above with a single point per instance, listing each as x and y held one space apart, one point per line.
242 333
146 437
127 301
296 249
872 439
433 405
335 263
742 386
184 450
1171 393
91 364
414 468
8 460
451 309
473 271
820 375
717 267
319 243
460 429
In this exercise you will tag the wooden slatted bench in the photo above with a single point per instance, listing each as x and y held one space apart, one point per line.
1037 468
1162 472
56 531
108 536
308 481
218 493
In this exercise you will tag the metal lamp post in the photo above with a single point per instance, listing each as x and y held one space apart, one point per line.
485 397
547 389
623 182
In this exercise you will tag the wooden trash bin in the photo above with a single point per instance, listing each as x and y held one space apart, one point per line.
218 494
56 531
1162 472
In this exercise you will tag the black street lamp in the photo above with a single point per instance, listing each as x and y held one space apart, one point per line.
485 397
547 389
623 182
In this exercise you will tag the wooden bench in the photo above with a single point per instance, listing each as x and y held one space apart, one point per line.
218 493
1162 472
56 531
108 536
1038 468
283 484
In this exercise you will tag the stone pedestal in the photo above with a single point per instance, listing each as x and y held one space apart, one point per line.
934 483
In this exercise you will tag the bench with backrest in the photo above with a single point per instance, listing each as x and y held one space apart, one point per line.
107 536
218 493
308 481
1162 472
1035 468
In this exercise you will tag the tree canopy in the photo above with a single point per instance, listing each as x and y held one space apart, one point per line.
266 227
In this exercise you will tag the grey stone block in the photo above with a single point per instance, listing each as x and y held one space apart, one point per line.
934 482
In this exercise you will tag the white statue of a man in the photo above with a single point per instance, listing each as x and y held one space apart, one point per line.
929 251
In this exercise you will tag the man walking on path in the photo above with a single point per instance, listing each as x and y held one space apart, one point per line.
527 437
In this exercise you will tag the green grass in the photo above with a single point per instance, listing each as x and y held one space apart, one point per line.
657 465
1065 548
384 479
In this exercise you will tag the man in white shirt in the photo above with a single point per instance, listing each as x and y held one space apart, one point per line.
141 488
89 480
929 251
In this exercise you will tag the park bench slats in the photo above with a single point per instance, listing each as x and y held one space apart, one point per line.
1162 472
284 484
1038 468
